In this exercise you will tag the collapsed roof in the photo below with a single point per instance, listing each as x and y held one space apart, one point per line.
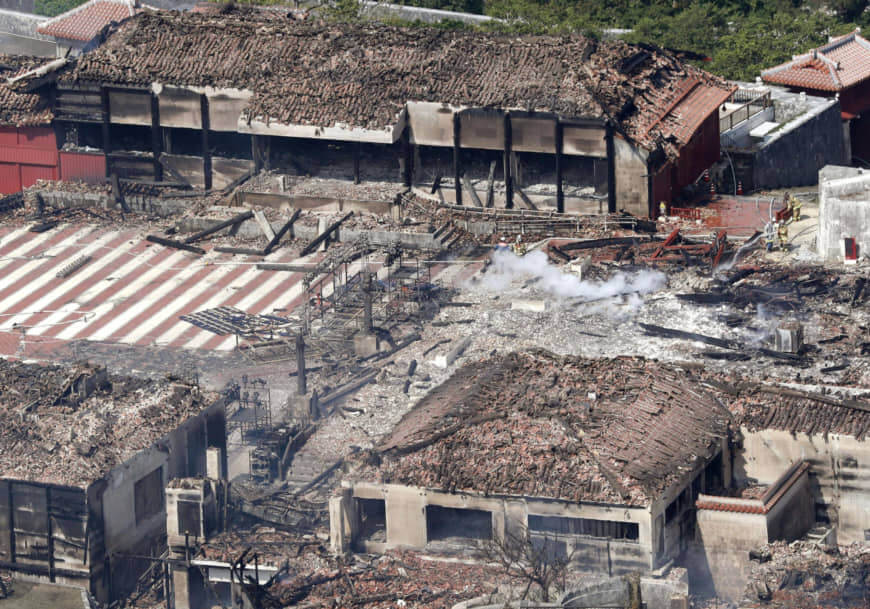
19 108
70 426
361 76
616 431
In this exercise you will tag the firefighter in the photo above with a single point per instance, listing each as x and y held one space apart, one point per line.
519 247
663 210
782 232
502 245
769 235
795 208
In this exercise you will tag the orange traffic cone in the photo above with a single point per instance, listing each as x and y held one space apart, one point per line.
712 188
739 188
706 175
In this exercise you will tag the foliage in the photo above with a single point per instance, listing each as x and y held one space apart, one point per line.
52 8
343 10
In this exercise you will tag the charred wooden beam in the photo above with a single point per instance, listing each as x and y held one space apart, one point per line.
471 192
206 151
457 156
406 158
106 131
508 178
611 169
176 244
490 185
324 235
560 195
220 226
525 199
284 229
246 251
156 137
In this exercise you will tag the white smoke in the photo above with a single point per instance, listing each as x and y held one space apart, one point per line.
507 267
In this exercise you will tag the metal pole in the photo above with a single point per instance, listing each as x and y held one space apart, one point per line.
301 380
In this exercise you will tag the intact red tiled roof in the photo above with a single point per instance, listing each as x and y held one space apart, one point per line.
320 74
838 65
19 108
756 506
85 21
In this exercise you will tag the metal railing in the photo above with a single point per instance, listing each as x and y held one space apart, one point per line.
752 105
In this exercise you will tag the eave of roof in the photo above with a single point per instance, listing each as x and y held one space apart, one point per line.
841 63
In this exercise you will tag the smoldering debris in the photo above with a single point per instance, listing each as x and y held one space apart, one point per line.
535 267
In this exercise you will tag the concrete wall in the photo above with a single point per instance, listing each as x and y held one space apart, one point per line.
432 125
727 538
18 35
171 453
130 107
406 523
632 189
179 107
839 468
793 154
844 211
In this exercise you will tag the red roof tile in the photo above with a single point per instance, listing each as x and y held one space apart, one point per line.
21 108
312 73
85 22
838 65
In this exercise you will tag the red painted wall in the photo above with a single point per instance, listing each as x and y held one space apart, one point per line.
698 154
83 166
27 154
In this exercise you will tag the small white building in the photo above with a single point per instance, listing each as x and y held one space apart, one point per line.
844 213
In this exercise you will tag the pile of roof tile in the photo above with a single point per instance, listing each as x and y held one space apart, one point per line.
50 439
311 73
535 424
19 108
801 575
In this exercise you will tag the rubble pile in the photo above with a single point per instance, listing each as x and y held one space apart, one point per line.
370 582
67 426
619 430
800 575
18 107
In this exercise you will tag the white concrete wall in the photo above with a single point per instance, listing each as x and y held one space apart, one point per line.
130 108
632 189
406 518
839 465
844 211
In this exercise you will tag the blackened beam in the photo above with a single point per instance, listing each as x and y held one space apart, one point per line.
470 188
654 330
560 194
290 268
206 151
176 244
525 199
596 243
324 235
280 235
611 169
302 385
508 178
247 251
490 184
219 226
107 142
457 156
156 137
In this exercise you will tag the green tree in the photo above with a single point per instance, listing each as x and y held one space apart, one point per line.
52 8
